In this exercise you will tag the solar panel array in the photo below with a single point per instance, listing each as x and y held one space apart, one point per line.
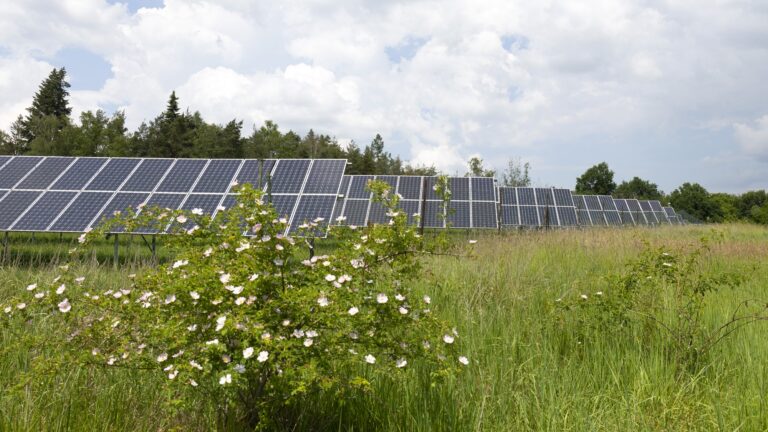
535 207
472 203
68 194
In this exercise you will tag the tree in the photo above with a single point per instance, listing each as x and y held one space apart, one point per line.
50 100
727 205
638 188
517 174
693 199
14 143
597 180
476 168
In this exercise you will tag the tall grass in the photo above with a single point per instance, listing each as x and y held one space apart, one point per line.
527 372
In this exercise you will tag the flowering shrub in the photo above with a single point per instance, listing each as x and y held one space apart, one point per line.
246 319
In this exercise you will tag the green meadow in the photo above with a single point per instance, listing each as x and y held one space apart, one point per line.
528 370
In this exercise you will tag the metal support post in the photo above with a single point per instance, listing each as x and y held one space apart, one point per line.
311 247
423 205
117 250
154 248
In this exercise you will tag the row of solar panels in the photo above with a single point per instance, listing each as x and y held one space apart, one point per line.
68 194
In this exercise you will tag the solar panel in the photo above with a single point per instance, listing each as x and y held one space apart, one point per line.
182 175
79 174
113 175
459 187
308 209
409 187
147 175
563 197
529 216
411 208
356 212
647 211
289 175
256 172
119 203
324 178
510 215
545 197
39 215
610 211
658 211
526 196
218 176
567 216
508 196
16 169
78 215
13 205
45 173
459 213
483 189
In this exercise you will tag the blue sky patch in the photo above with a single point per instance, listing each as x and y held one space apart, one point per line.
406 49
514 42
85 70
134 5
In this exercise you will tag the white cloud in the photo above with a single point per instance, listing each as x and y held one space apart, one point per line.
754 139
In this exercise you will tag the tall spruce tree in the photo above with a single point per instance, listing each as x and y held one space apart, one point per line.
51 100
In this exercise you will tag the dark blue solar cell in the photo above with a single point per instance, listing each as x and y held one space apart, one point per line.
525 196
661 217
120 203
410 187
509 215
621 205
356 212
483 189
284 205
378 214
508 196
147 175
656 206
612 217
114 173
429 188
15 169
645 205
529 215
344 189
411 208
337 209
311 208
14 204
459 187
289 175
627 219
592 202
79 174
545 197
567 216
484 215
670 211
458 214
325 176
578 201
78 216
606 202
563 197
44 211
218 176
548 216
583 217
433 214
358 188
391 181
634 205
229 201
4 160
158 202
45 173
598 217
206 202
182 175
255 172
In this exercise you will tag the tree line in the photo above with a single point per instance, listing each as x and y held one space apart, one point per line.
48 129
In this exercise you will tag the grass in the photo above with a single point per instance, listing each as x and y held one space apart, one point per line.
527 372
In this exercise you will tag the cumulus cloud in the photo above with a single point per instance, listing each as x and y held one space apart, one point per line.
754 138
440 80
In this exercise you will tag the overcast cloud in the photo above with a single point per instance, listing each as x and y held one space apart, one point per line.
668 91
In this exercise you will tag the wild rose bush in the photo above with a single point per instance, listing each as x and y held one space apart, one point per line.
245 319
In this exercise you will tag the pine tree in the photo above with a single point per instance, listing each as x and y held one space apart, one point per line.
50 100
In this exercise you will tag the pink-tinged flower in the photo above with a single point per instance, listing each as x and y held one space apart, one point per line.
220 322
162 357
330 277
181 219
463 360
60 290
224 278
31 287
400 363
448 339
353 311
381 298
308 342
323 301
370 359
197 211
399 297
64 306
403 311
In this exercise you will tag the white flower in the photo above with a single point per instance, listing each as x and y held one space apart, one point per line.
208 252
31 287
263 356
39 295
197 211
403 311
234 289
193 383
341 219
381 298
330 277
370 359
212 342
427 300
226 358
239 301
353 311
463 360
181 219
61 289
194 295
64 306
173 374
599 293
308 342
243 246
666 264
180 263
7 309
584 297
21 306
220 322
399 297
400 363
226 379
323 301
253 277
80 279
195 365
357 263
448 339
170 298
192 327
162 357
248 353
239 368
472 241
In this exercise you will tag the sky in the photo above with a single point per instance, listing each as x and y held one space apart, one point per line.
670 91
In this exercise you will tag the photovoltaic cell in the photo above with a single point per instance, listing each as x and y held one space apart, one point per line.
80 212
410 187
592 202
410 207
359 187
547 216
182 175
324 177
170 201
567 216
45 173
429 189
544 197
525 196
606 202
655 206
13 205
344 189
311 207
483 189
433 214
583 217
289 175
79 174
484 215
284 204
390 180
563 197
529 215
218 176
120 203
114 173
206 202
459 187
255 172
356 212
147 175
597 217
377 214
509 215
44 211
459 214
508 196
15 169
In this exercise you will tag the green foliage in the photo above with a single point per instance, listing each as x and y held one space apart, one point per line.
243 321
638 188
517 174
476 168
597 180
693 199
667 293
50 100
